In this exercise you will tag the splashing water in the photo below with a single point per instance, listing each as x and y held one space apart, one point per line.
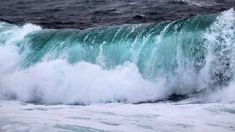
128 63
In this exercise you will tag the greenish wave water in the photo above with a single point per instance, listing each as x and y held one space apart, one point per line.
127 63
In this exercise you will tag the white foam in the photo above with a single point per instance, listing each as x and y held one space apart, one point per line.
59 82
220 33
157 117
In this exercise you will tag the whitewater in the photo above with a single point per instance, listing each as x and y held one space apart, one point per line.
108 78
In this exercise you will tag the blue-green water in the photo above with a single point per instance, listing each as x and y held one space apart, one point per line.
129 63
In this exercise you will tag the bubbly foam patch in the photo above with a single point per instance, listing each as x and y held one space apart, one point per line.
59 82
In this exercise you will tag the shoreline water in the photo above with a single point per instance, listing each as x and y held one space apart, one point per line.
161 117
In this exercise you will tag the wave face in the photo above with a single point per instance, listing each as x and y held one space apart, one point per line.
128 63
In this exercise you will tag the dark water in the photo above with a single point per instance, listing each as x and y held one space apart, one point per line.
91 13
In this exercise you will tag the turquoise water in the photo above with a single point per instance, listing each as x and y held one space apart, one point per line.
185 56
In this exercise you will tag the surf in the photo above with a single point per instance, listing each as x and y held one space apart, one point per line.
129 63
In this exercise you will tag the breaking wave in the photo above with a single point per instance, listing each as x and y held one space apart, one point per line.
129 63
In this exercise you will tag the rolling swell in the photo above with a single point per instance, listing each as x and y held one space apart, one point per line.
128 63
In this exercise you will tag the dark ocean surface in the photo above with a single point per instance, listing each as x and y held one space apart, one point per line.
83 14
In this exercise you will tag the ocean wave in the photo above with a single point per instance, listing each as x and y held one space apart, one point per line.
129 63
